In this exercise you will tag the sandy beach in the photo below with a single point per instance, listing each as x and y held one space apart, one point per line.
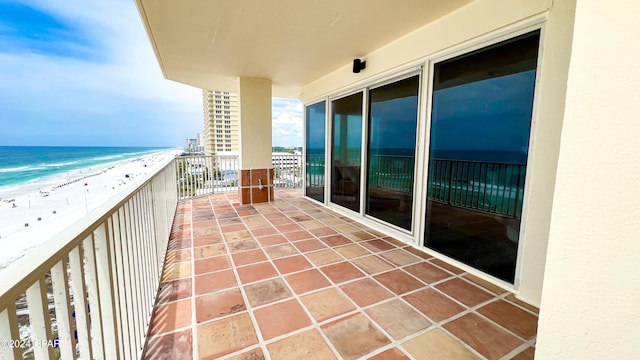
33 213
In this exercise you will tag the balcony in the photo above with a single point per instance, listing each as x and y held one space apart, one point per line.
205 277
295 280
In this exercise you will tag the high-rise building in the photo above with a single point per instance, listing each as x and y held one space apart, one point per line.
221 125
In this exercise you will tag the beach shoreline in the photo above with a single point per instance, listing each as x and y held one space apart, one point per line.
32 213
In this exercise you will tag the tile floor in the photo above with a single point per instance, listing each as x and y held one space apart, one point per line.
293 280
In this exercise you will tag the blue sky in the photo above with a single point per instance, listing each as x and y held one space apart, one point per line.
82 72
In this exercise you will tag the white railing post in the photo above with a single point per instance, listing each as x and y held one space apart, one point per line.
107 291
60 283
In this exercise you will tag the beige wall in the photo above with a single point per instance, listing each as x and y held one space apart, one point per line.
255 123
484 20
592 281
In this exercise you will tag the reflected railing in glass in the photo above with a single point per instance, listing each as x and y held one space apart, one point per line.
491 187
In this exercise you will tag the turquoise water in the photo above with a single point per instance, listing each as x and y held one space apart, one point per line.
21 165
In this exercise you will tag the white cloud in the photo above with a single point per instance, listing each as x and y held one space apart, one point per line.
122 80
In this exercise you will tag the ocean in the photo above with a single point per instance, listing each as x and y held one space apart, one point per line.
21 165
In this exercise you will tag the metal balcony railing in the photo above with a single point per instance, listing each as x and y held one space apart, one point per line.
89 291
207 174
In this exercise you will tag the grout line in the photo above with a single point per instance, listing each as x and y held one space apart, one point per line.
296 209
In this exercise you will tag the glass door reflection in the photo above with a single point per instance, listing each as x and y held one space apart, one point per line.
346 150
315 150
393 118
481 118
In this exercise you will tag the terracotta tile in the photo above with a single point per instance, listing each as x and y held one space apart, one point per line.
259 174
485 338
176 271
515 300
248 257
174 290
171 316
232 236
326 304
323 257
345 228
266 292
485 284
352 251
284 225
242 245
177 345
372 264
233 228
315 224
464 292
527 354
427 272
212 264
360 236
436 344
278 251
336 240
272 240
209 251
446 266
377 245
245 195
398 281
212 230
308 345
418 252
258 196
291 264
354 336
341 272
214 281
219 304
391 354
254 354
400 257
264 231
176 256
281 318
322 231
398 319
365 292
512 318
307 281
207 240
245 177
179 244
298 235
224 336
254 272
309 245
433 304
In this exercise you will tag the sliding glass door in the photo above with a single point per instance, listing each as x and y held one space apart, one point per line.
393 117
346 145
480 123
315 117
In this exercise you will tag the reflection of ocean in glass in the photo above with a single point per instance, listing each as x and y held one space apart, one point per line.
393 117
346 144
315 151
481 118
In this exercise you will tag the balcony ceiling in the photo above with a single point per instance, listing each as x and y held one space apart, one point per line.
210 43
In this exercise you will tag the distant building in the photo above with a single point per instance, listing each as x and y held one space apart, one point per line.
221 122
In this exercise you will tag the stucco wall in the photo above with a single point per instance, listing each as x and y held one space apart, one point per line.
255 123
592 281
